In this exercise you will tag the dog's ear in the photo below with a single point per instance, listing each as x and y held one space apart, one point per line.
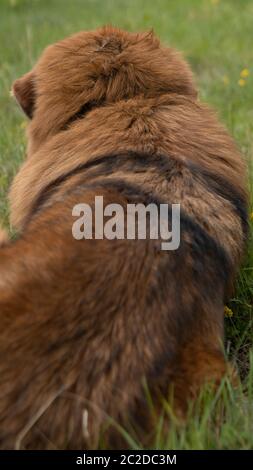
23 89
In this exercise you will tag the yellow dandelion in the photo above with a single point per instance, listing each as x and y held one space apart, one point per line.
146 17
244 73
228 312
225 79
251 216
23 124
215 2
241 82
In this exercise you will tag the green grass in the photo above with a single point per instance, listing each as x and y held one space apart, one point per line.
216 38
221 420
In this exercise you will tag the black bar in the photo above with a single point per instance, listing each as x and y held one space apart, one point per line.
110 459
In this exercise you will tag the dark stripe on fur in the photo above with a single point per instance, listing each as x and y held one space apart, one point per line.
201 244
224 189
107 164
139 162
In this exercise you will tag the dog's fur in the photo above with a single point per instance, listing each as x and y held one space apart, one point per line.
83 323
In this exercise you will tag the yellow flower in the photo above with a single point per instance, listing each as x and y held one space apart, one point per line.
228 312
225 79
244 73
251 216
23 124
215 2
241 82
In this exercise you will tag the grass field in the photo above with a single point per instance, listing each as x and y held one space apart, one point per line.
216 38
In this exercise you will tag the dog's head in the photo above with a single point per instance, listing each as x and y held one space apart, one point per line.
90 69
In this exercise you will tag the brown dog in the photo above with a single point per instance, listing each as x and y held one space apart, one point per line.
83 323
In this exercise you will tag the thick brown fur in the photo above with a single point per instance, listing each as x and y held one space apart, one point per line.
85 323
